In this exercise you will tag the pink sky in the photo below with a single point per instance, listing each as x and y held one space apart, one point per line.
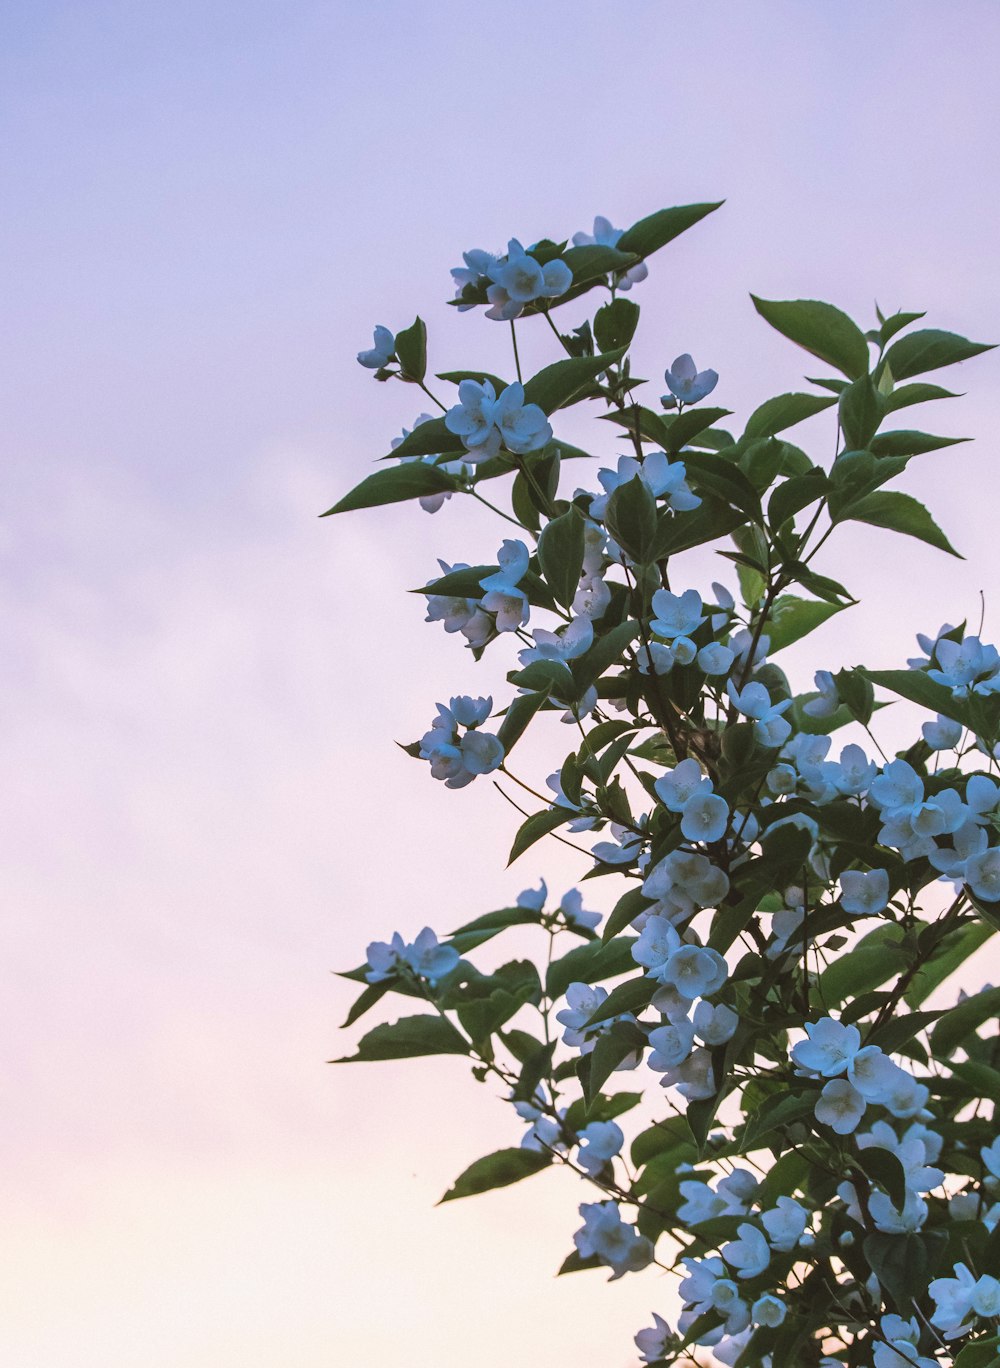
208 207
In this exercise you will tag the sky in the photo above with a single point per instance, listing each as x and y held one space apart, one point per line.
207 208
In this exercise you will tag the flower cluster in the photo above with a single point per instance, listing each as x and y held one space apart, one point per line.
756 1053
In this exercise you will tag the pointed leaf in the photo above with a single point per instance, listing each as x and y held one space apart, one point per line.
496 1170
774 415
393 485
407 1038
821 329
411 349
899 513
564 381
930 349
792 618
652 233
560 555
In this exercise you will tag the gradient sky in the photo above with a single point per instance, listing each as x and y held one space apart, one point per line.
207 207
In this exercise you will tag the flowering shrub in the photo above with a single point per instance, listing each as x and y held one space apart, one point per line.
819 1163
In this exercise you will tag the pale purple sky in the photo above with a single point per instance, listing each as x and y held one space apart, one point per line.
207 207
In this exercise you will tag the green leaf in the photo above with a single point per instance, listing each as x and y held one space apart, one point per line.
919 393
537 826
631 996
891 326
791 496
606 651
792 618
560 555
713 519
411 349
928 350
407 1038
497 1170
899 513
781 1109
774 415
593 260
687 425
631 518
949 955
707 471
611 1049
482 1016
918 687
884 1168
623 914
876 958
861 410
901 1030
518 715
901 1265
906 443
821 329
456 378
636 418
590 963
564 381
615 324
979 1353
576 1263
410 481
427 439
655 231
963 1021
372 994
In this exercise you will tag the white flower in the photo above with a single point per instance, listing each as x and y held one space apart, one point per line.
840 1106
982 874
768 1310
785 1224
695 1078
383 958
616 1244
892 1221
657 941
522 427
953 1299
472 419
599 1143
428 959
671 1045
695 971
677 787
942 734
518 279
687 383
477 266
571 906
652 1343
381 353
607 236
901 1353
830 1048
706 816
567 643
749 1254
714 1025
676 615
754 701
828 701
864 892
533 899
